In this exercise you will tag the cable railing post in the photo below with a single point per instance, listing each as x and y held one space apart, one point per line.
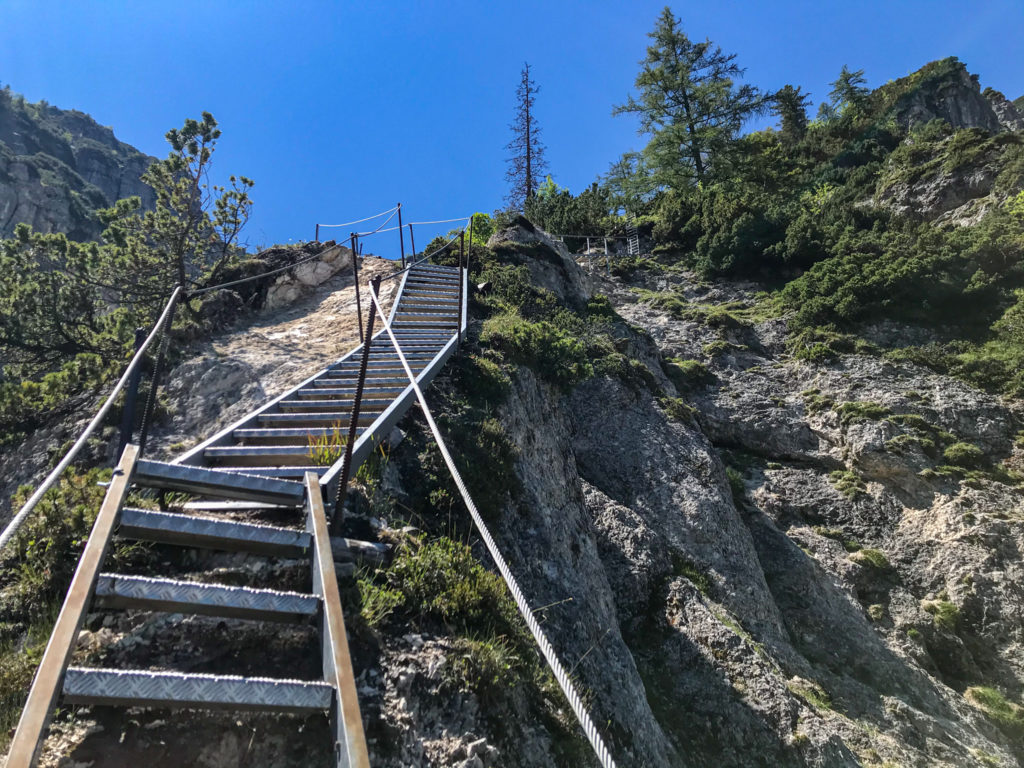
131 397
412 242
353 424
317 233
158 367
462 251
401 235
355 278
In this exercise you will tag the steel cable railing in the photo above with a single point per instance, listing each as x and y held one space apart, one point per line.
548 651
19 519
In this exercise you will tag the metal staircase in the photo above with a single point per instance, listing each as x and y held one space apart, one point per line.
264 461
632 236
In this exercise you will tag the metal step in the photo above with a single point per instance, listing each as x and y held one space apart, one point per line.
115 590
273 471
189 530
210 482
316 419
353 373
130 688
291 435
420 278
426 301
260 455
209 505
434 268
316 393
430 308
414 292
366 407
368 383
402 316
380 356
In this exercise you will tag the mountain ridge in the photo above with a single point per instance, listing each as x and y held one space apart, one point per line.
58 167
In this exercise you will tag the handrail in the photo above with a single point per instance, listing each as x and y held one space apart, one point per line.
359 221
529 615
19 519
42 696
420 260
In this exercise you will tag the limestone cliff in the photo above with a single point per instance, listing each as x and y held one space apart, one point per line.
58 166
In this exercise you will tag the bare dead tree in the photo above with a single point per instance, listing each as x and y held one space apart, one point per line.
527 165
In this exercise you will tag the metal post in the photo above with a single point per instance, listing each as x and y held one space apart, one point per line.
353 424
469 253
401 238
131 395
158 367
355 278
318 233
346 723
462 250
588 245
412 243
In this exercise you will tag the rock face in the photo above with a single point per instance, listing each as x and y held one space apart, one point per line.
57 167
945 90
791 578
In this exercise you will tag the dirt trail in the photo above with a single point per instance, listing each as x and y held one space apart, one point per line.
239 370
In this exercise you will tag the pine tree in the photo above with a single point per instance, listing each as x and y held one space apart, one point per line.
527 166
848 93
790 105
193 230
688 103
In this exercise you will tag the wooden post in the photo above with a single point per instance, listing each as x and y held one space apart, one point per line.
49 678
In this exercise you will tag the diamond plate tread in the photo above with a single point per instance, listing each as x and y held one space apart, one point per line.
291 435
329 405
115 590
260 455
449 305
173 689
189 530
332 381
272 470
353 373
202 480
314 418
342 392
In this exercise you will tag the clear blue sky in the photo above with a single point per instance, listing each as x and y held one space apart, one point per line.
340 109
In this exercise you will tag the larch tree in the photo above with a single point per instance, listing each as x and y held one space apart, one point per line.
848 93
790 105
527 165
689 103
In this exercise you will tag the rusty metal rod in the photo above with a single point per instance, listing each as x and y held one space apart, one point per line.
401 235
412 242
353 424
462 253
131 397
355 278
